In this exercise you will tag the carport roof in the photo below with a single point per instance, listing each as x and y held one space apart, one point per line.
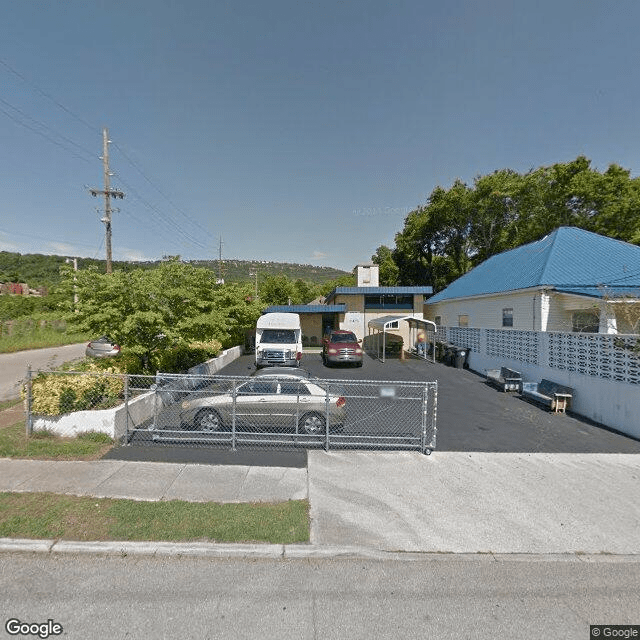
382 322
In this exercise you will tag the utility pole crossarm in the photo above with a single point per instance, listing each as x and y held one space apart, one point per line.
114 193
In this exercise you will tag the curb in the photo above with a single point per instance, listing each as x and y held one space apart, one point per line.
287 552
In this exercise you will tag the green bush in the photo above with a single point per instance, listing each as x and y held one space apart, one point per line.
57 393
180 359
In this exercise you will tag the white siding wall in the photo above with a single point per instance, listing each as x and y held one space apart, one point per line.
533 310
486 312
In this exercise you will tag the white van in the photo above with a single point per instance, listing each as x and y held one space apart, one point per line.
278 340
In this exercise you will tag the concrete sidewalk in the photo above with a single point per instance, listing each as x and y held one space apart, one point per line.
463 502
155 480
365 503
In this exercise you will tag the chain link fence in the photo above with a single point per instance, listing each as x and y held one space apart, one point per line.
264 410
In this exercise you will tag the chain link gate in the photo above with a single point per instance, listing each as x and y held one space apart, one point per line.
263 410
282 411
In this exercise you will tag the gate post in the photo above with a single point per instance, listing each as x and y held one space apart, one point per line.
326 419
126 408
425 408
233 416
29 422
434 415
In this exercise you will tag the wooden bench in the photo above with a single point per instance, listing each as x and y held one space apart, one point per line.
505 379
556 396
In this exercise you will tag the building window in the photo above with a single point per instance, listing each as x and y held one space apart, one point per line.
586 321
388 301
438 320
463 321
507 317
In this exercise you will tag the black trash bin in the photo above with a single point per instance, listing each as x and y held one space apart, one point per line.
460 357
449 356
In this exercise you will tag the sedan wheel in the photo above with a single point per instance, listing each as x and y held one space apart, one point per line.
208 420
312 424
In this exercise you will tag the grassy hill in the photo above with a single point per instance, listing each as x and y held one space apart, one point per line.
39 270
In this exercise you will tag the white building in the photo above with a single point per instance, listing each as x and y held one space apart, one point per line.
570 280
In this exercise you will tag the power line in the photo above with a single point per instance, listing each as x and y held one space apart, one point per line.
40 133
166 219
49 97
146 177
50 240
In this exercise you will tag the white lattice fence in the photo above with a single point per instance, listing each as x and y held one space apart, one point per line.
603 356
523 346
466 337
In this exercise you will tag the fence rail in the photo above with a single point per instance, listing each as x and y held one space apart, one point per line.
227 411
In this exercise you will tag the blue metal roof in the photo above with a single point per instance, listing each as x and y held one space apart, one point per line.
569 259
307 308
399 291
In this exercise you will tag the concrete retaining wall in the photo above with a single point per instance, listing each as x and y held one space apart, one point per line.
113 421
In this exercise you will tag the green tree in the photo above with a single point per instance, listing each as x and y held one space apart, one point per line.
462 226
152 311
277 290
389 272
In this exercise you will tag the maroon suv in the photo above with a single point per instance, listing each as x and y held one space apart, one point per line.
341 346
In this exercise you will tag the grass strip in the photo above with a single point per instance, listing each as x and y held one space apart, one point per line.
7 404
48 515
46 446
39 340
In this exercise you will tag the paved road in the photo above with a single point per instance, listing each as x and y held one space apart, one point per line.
447 598
13 366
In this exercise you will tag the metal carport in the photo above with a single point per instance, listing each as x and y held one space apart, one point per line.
416 325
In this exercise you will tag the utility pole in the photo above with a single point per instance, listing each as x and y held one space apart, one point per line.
220 269
255 274
108 193
75 279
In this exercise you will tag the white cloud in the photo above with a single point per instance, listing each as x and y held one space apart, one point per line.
63 249
9 246
133 255
318 255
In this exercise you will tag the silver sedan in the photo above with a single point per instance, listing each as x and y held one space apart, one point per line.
265 403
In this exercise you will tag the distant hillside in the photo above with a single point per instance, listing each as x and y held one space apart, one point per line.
240 270
44 271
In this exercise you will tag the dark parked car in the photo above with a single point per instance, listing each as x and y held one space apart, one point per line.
103 347
341 347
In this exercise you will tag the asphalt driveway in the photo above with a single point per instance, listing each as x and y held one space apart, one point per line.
471 417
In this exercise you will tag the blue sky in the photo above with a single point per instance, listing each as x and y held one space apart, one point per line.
296 131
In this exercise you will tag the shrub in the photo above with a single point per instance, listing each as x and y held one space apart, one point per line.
56 393
180 359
